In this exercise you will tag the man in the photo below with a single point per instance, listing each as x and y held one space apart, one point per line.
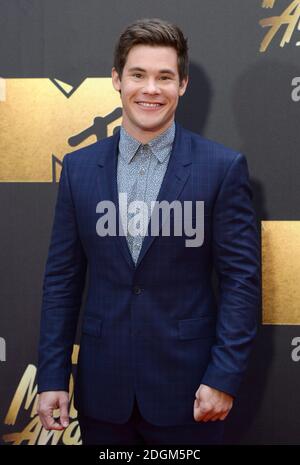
160 361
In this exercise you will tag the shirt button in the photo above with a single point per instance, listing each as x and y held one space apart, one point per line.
137 290
142 171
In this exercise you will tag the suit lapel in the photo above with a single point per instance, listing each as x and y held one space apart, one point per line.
108 187
177 173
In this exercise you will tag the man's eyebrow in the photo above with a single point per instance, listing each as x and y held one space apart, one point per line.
164 71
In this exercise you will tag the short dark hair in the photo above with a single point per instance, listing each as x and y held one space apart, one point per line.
152 31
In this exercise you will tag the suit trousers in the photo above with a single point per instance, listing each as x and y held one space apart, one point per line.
138 431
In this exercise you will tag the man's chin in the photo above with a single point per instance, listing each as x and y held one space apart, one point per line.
151 126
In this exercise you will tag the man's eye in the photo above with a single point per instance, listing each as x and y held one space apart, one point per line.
138 75
165 77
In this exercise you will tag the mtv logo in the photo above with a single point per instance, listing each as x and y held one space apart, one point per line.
43 119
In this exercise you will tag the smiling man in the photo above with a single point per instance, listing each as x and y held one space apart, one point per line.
161 359
150 87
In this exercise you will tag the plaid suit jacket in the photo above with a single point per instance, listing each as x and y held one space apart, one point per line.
154 330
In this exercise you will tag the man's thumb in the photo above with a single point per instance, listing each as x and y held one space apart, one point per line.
64 413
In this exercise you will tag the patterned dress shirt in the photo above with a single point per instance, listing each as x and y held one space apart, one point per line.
140 172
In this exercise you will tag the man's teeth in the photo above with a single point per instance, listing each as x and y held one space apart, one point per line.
149 104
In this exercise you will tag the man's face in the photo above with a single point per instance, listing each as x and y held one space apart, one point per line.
150 90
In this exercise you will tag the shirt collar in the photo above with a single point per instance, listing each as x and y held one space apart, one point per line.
160 146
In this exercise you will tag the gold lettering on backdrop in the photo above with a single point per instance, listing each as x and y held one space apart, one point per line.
26 392
268 3
289 18
34 433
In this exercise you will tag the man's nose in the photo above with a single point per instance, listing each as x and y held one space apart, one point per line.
151 87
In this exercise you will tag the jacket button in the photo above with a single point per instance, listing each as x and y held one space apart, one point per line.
137 290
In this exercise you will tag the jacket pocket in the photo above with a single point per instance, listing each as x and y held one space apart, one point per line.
197 328
92 326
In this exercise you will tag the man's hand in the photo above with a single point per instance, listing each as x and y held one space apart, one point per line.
211 404
52 400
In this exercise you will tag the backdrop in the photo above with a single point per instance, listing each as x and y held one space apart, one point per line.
56 96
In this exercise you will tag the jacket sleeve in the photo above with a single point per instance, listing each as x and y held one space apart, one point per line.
236 254
63 286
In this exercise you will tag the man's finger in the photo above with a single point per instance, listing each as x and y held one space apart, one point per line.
222 417
216 417
208 416
197 411
64 413
42 421
51 423
200 411
43 415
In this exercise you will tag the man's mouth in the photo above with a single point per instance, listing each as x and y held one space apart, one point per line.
150 105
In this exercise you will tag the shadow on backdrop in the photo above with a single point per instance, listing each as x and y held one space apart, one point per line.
265 117
193 108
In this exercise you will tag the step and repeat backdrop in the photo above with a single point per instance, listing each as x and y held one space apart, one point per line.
56 96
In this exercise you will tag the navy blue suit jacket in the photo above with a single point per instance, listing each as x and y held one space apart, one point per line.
154 329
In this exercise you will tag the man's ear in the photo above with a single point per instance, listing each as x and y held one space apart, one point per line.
183 86
115 79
